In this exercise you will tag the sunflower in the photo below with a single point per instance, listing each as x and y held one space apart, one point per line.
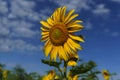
70 77
5 73
72 61
58 31
106 75
50 76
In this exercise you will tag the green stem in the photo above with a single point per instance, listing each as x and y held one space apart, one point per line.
60 71
65 70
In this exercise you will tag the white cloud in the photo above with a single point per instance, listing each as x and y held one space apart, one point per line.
115 34
3 7
4 31
45 11
16 23
7 45
74 4
101 10
119 15
118 1
111 33
23 9
88 26
18 28
106 30
88 5
23 32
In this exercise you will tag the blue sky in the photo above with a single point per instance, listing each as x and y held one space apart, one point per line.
20 33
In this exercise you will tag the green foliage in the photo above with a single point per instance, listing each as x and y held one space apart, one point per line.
19 73
85 71
83 68
51 63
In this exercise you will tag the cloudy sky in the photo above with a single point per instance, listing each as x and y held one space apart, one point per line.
20 32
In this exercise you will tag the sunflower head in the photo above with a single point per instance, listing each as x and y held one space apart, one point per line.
106 74
5 73
49 76
72 61
58 33
70 77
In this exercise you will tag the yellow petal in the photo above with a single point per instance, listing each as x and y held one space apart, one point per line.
72 17
74 22
45 78
74 29
44 33
50 21
51 75
78 38
71 63
54 16
58 14
71 46
75 44
69 14
44 38
48 48
63 11
75 25
62 53
74 56
54 52
45 24
67 48
75 77
46 42
44 29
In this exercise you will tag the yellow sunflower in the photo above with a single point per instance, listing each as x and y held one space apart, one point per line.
70 77
50 75
106 75
73 60
5 73
58 31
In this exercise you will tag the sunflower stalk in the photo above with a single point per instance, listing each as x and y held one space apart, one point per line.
65 70
60 71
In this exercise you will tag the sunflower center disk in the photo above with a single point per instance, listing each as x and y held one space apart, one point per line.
58 35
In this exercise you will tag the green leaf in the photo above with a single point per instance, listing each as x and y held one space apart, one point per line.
51 63
83 68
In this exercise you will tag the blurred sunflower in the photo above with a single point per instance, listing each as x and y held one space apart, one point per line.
73 60
70 77
50 76
57 77
0 69
5 73
58 31
106 75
